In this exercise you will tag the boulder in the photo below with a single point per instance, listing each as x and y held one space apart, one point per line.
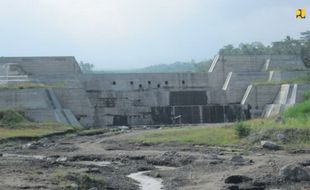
270 145
305 163
239 160
236 179
294 172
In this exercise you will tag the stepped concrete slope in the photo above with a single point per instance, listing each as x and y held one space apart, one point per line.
52 65
234 88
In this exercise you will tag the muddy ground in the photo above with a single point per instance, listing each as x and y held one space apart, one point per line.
104 161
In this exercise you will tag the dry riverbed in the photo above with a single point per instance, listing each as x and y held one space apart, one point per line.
115 161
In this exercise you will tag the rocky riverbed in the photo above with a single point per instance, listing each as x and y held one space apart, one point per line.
113 161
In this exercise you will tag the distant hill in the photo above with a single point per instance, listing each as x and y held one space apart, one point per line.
177 67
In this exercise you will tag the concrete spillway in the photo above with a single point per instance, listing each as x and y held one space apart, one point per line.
283 94
213 63
246 94
285 98
227 81
292 98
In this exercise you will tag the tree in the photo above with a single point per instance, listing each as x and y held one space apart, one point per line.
287 46
86 67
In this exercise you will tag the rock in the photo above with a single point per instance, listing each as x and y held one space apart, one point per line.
236 179
237 158
280 136
270 145
294 172
61 159
93 170
305 163
33 145
73 186
123 128
211 157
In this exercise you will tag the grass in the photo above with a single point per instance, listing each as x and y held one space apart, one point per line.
294 125
27 85
191 135
13 124
34 130
297 80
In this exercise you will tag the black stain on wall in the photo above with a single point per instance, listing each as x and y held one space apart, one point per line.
180 98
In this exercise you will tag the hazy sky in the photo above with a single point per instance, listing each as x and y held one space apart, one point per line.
125 34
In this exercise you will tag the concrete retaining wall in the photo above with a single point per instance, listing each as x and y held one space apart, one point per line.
45 65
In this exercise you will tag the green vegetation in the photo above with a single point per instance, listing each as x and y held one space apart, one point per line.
68 180
13 124
191 135
299 111
242 130
297 80
288 46
11 117
177 67
34 130
27 85
294 126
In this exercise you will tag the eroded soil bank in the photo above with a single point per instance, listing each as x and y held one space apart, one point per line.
104 161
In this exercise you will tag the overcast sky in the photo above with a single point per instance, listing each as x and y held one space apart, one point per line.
125 34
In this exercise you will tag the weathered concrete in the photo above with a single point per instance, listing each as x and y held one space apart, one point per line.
220 95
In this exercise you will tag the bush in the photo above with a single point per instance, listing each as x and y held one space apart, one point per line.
9 117
307 95
242 130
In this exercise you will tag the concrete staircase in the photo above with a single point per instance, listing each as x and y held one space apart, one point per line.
11 73
286 97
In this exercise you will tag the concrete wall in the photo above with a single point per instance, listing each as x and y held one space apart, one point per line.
25 98
239 83
255 63
149 98
260 96
133 95
76 100
286 62
44 65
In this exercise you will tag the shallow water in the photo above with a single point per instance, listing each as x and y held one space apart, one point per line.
38 157
146 182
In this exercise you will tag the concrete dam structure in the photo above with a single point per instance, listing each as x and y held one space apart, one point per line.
235 88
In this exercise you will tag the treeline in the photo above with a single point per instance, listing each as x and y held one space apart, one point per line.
177 67
288 45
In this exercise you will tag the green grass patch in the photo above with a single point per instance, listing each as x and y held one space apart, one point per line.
297 80
13 124
10 117
190 135
27 85
294 126
35 130
300 111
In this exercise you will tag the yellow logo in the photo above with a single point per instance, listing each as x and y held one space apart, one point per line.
301 13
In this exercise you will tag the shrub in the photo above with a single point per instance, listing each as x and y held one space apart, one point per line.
307 95
242 130
10 117
301 110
